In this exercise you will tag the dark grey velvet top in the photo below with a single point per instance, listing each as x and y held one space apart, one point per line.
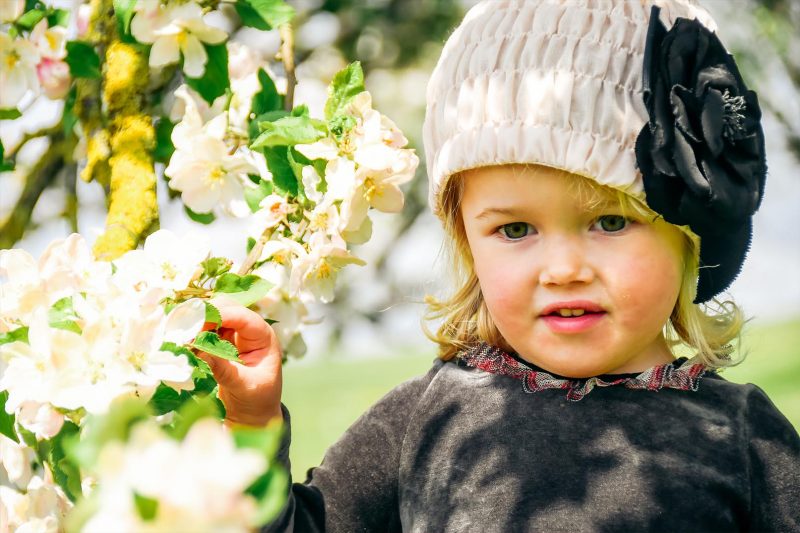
461 449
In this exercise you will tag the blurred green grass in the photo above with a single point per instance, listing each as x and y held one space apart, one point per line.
326 396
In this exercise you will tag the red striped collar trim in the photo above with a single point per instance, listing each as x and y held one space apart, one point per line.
488 358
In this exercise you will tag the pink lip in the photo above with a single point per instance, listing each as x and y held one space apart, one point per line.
575 324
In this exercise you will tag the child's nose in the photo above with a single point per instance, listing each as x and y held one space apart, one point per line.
564 262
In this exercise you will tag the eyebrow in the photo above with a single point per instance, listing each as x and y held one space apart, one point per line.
605 203
498 211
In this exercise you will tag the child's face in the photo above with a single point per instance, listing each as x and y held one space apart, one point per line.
550 248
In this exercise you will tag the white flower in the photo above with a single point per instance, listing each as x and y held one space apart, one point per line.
202 494
325 148
166 261
185 97
18 60
280 304
314 273
140 360
58 367
51 42
202 168
15 462
10 10
324 218
42 508
274 210
40 419
311 181
175 29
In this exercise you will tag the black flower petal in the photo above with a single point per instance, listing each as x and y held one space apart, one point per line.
701 152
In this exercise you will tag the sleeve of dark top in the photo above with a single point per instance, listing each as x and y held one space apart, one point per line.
355 487
774 466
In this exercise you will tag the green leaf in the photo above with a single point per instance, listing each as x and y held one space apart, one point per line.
164 148
146 507
250 243
244 289
83 60
58 17
190 412
6 419
30 19
347 83
301 111
270 491
215 266
65 471
9 113
289 131
253 130
202 218
212 344
19 334
165 399
124 10
212 314
215 80
62 316
98 430
282 173
264 14
70 118
264 440
254 195
268 98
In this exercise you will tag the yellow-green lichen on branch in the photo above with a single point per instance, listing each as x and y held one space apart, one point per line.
133 206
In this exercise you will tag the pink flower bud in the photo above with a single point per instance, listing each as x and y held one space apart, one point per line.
54 78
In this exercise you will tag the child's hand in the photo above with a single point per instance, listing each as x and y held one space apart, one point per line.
251 392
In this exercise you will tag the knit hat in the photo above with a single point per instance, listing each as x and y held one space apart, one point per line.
637 95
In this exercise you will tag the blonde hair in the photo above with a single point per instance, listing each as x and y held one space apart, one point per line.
710 332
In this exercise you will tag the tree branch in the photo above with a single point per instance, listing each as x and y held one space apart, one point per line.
42 175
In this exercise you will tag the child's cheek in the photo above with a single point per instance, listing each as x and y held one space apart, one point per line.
503 289
647 289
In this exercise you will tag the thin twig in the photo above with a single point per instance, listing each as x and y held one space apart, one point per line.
29 136
287 57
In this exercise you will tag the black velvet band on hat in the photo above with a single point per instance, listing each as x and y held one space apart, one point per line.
701 153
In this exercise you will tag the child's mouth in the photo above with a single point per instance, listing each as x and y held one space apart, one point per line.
574 321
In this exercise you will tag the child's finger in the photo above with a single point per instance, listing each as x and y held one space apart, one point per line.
251 331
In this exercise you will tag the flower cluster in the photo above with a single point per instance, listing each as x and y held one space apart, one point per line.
307 201
33 62
80 333
208 477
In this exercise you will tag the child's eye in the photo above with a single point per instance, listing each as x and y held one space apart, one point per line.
612 223
515 230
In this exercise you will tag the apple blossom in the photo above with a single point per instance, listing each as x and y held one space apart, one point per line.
10 10
42 507
174 29
18 60
203 168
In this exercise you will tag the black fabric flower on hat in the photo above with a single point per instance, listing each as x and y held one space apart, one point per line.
701 152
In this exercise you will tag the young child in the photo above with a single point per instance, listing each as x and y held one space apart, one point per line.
596 165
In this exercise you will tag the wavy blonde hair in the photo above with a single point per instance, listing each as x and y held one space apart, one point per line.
711 330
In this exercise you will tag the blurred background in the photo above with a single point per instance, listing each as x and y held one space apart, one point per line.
370 339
